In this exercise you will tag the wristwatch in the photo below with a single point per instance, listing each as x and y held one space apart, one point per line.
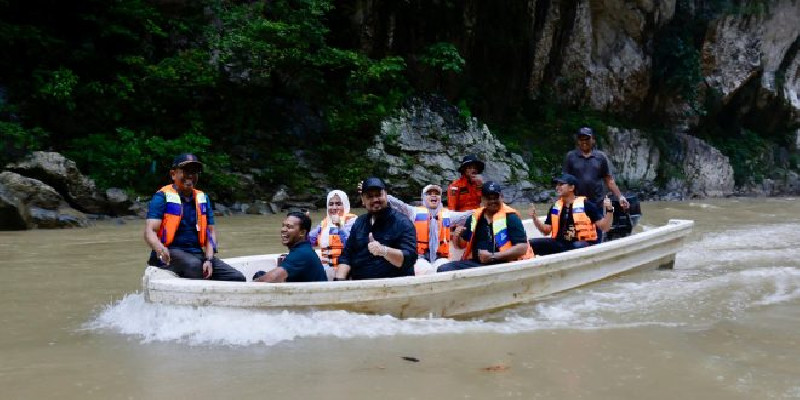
611 210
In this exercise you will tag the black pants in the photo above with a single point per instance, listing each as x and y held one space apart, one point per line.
190 265
459 265
545 246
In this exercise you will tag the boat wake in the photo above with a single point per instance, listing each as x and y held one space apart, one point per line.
719 277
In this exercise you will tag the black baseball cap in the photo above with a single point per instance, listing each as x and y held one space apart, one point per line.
185 159
566 178
373 183
471 159
491 187
585 131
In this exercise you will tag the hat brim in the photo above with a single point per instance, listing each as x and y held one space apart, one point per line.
480 165
185 163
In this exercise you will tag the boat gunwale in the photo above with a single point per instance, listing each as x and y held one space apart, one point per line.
539 265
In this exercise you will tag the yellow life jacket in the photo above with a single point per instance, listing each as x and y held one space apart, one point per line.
330 255
174 212
422 217
585 230
500 229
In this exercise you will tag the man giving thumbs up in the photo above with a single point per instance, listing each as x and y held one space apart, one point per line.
382 242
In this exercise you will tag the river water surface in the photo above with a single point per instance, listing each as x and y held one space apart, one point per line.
724 324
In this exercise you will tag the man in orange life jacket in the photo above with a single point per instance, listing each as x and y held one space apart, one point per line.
180 227
493 234
573 221
464 194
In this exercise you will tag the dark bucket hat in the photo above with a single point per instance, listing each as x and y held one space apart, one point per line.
471 159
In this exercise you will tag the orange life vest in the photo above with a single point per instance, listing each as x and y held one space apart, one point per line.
585 229
463 196
330 255
422 219
174 211
500 229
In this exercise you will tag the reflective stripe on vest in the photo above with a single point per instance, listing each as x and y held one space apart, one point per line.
330 255
174 212
499 226
422 218
585 230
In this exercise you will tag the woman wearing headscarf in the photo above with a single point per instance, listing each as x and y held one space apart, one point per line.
331 234
432 223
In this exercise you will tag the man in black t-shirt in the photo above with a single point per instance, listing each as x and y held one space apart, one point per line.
573 221
302 264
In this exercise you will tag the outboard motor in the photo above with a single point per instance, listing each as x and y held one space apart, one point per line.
624 221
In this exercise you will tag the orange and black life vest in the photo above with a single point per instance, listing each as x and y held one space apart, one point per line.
174 212
463 195
585 230
422 219
499 227
330 255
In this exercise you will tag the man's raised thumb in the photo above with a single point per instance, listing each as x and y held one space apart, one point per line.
371 239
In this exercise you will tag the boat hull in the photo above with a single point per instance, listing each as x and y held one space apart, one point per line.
449 294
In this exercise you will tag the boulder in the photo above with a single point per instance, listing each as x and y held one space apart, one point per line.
64 217
259 207
118 202
706 171
31 192
425 141
14 215
635 158
63 175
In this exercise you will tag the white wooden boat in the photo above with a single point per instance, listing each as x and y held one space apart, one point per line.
448 294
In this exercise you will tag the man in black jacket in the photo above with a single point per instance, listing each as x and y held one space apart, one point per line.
382 243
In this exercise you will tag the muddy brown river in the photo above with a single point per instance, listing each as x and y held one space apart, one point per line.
724 324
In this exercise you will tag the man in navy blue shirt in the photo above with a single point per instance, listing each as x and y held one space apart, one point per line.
302 264
573 221
382 243
180 227
493 234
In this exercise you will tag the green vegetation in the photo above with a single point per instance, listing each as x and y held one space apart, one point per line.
544 132
121 87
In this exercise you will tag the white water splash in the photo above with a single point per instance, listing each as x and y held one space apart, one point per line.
717 278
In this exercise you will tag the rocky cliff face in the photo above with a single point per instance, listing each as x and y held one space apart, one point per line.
425 142
601 54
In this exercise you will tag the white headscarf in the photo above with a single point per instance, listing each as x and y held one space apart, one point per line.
324 238
433 226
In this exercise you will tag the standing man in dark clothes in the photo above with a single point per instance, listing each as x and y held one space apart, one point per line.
180 227
464 194
592 169
572 223
493 234
382 243
302 264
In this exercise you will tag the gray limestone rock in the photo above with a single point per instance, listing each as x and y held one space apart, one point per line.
63 175
31 192
14 215
424 143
